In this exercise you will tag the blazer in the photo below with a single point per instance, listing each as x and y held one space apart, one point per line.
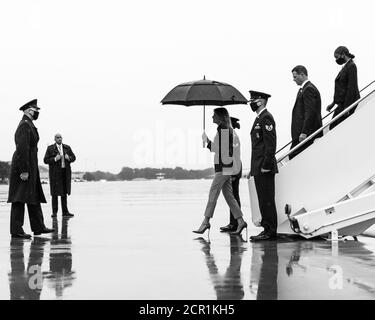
263 144
346 86
306 114
226 146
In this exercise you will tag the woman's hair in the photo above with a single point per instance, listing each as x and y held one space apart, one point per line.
344 50
224 118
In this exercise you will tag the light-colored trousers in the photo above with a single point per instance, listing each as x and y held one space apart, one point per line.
222 183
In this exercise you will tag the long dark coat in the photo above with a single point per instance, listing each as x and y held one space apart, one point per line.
346 87
346 91
55 172
263 144
25 159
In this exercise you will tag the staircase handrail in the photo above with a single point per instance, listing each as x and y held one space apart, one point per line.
353 105
328 114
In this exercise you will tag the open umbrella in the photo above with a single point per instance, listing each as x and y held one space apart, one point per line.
204 92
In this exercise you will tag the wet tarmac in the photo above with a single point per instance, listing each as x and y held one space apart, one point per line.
133 240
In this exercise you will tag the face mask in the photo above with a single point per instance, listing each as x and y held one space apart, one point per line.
36 115
254 106
340 61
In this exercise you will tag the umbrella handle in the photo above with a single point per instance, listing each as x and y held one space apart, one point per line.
204 123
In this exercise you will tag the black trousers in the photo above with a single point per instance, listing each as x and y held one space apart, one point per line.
299 150
236 194
64 197
17 214
338 110
265 186
64 204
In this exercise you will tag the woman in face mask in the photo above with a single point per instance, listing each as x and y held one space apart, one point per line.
346 85
225 166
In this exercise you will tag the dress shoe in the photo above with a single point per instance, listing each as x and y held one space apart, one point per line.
264 236
68 214
228 228
21 235
45 230
239 229
203 228
260 234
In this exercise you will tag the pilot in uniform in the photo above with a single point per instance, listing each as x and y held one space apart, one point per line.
263 164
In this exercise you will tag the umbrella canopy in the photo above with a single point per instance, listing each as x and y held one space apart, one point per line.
204 92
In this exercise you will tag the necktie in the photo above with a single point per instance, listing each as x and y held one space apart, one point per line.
62 156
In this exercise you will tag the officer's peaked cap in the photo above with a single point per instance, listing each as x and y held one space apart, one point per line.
258 95
31 104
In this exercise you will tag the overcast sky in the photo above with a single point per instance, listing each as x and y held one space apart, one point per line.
100 68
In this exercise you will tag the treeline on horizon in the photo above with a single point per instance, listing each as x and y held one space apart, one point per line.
127 173
5 170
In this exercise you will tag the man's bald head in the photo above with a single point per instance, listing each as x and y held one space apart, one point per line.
58 138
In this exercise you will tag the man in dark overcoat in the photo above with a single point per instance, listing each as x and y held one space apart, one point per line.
306 115
24 181
263 164
59 156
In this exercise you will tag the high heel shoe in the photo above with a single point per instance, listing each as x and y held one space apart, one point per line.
203 228
239 229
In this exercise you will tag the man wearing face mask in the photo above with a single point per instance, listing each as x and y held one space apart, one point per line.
263 164
58 157
24 183
346 85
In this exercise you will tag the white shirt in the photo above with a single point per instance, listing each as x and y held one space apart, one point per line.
261 112
303 84
61 151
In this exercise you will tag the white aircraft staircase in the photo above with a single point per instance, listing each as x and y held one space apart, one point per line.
330 186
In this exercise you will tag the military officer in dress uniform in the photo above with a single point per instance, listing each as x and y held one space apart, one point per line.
263 164
24 182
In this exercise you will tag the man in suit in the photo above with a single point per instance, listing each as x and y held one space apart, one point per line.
263 164
24 183
306 115
59 156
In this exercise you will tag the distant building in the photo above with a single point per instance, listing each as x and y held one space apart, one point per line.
160 175
77 175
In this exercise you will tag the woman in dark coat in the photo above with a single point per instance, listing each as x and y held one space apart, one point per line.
346 85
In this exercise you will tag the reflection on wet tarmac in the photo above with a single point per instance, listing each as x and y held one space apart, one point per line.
61 275
227 286
27 284
133 240
267 283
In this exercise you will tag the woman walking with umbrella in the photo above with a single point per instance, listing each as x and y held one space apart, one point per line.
225 167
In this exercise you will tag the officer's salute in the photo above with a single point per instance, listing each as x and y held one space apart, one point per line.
263 163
